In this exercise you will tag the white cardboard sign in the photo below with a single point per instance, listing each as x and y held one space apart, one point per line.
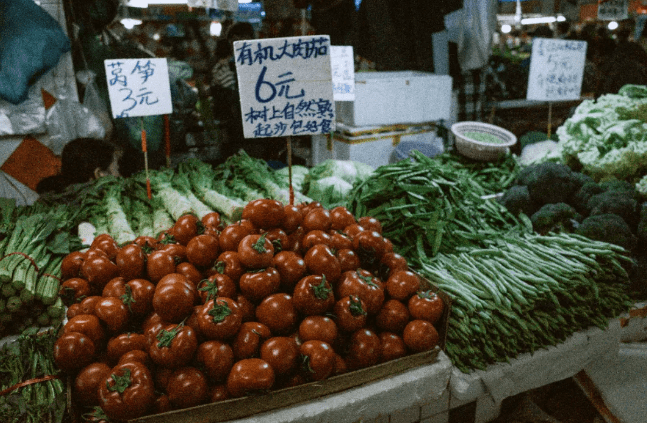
138 87
342 62
556 69
285 86
613 10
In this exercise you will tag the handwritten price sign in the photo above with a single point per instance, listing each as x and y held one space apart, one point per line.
556 69
342 61
138 87
285 86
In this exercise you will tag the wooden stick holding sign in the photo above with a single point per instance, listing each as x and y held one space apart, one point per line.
138 88
550 117
556 71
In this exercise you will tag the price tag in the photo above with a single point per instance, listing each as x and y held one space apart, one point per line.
556 69
342 62
138 87
613 10
285 86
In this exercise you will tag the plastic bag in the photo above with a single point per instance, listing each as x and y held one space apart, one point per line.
93 101
25 118
68 119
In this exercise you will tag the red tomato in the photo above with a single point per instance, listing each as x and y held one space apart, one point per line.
348 260
128 392
318 359
152 324
426 305
292 218
212 221
366 286
231 236
187 387
402 284
131 261
71 265
317 219
107 244
305 208
98 270
136 355
202 250
187 227
88 304
350 313
340 241
282 354
264 213
217 285
291 268
87 381
393 316
279 239
174 346
257 285
74 290
246 307
229 264
341 217
121 344
138 297
353 230
277 312
248 340
89 325
248 376
420 335
73 310
217 359
159 264
255 251
320 260
148 243
220 318
319 328
392 346
340 366
116 287
175 250
174 297
189 270
369 245
113 312
313 295
363 349
391 263
312 238
73 351
162 404
370 223
295 240
219 393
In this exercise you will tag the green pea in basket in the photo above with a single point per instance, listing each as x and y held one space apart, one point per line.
482 141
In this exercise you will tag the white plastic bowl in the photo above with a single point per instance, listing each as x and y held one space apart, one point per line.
479 150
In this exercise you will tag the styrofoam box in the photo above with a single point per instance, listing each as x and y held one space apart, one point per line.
384 98
373 149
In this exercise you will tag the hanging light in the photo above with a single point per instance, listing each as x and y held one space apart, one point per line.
612 25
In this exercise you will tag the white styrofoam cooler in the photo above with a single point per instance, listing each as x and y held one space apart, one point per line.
385 98
373 148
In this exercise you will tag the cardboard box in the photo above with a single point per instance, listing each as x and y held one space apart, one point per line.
251 405
384 98
371 145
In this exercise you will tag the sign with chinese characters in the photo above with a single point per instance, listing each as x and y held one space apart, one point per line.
138 87
613 10
342 62
556 69
285 86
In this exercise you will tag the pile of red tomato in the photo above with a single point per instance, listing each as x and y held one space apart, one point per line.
207 311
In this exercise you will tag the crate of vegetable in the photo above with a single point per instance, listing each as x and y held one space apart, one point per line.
292 302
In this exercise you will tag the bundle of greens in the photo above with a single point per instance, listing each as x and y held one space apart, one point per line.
525 292
28 360
331 181
429 206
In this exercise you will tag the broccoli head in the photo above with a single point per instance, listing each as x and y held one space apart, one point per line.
620 203
641 247
555 217
609 228
549 182
583 195
517 200
617 185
